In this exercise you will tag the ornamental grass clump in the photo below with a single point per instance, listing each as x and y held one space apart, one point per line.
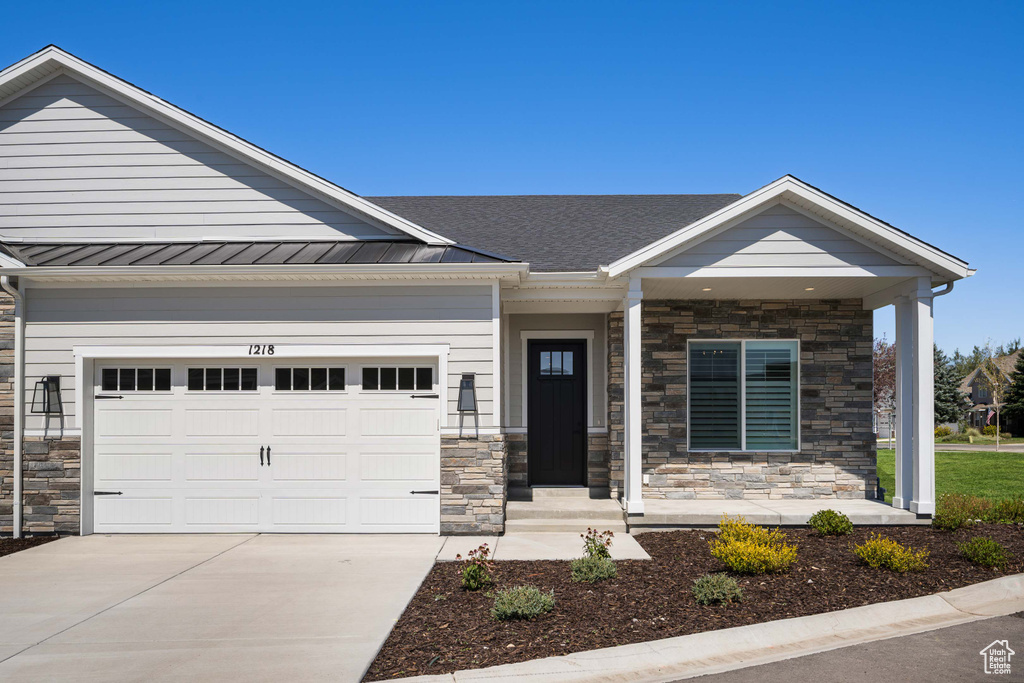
476 568
830 523
985 552
884 553
715 589
521 602
750 549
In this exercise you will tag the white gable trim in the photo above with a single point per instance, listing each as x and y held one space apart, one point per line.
788 188
49 61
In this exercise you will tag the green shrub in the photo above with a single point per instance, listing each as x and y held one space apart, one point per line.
712 589
985 551
973 431
750 549
521 602
885 553
596 543
593 569
830 523
956 510
476 569
955 438
1007 511
943 430
989 430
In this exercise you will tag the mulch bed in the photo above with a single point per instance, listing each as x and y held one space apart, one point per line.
13 545
445 629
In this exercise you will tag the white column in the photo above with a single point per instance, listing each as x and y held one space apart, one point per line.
923 496
496 367
903 492
633 406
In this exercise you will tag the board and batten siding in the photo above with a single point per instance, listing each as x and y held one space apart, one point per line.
78 163
783 238
595 323
458 315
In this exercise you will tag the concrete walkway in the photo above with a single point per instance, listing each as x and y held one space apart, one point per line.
551 545
700 513
205 607
712 652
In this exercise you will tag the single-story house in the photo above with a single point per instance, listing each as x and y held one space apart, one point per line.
203 337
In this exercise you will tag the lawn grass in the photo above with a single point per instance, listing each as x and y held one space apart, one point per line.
978 473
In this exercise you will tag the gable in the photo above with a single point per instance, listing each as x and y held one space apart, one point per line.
779 236
77 163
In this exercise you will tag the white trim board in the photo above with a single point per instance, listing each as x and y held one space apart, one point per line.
586 335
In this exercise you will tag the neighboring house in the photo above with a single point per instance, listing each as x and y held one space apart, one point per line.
979 390
208 338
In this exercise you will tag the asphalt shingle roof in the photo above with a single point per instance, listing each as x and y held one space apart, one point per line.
557 233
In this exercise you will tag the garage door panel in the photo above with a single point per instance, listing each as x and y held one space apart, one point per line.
222 511
309 464
386 422
408 512
134 422
394 467
128 464
309 422
225 423
306 510
211 465
133 513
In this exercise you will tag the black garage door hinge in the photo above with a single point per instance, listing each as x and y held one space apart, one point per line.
106 396
107 493
425 492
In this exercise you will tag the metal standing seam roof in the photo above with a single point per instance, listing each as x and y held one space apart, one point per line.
241 253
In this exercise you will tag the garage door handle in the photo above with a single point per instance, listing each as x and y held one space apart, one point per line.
105 396
261 456
268 456
425 492
107 493
424 396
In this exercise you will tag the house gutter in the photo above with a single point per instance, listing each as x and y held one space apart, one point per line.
19 397
943 292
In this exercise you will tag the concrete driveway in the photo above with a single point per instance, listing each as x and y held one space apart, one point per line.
226 607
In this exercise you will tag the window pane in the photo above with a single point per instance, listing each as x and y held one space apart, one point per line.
336 379
231 379
556 362
109 380
195 379
714 396
300 379
388 378
424 379
213 379
370 379
145 379
163 379
566 362
248 379
126 379
545 362
282 379
771 398
318 379
406 379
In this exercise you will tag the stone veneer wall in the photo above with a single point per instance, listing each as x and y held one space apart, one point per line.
597 460
837 459
474 483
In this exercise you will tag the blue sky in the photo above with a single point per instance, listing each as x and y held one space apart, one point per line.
911 111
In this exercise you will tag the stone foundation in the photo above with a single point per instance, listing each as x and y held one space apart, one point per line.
597 460
474 483
837 458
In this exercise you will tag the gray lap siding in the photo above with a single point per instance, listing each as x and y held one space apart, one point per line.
837 455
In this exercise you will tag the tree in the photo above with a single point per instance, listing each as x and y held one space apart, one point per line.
883 360
1014 407
951 404
966 364
998 382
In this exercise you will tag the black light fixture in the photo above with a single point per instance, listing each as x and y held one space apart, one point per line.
46 396
467 394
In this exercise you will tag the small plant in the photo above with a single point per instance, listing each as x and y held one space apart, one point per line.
476 568
1007 511
750 549
592 569
830 523
943 430
954 511
973 431
713 589
521 602
985 552
884 553
596 543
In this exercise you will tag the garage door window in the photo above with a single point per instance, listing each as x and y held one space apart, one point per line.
398 379
309 379
136 379
222 379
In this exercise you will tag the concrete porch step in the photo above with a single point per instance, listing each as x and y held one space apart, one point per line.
560 492
562 525
564 508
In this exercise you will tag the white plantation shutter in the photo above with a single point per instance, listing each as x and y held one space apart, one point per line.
771 400
714 396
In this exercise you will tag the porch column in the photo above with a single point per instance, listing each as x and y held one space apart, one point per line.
903 492
923 495
632 405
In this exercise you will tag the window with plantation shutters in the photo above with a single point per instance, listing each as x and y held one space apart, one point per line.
743 396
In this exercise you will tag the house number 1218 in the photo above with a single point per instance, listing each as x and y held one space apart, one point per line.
261 349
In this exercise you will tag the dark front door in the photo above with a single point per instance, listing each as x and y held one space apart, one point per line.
557 412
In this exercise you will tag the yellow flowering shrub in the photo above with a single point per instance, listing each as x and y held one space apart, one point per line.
881 552
751 549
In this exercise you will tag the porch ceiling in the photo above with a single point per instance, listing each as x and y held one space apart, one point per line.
766 287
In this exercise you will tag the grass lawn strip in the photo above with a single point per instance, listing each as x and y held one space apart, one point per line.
978 473
445 629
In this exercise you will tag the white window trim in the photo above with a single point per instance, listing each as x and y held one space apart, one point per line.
743 397
586 335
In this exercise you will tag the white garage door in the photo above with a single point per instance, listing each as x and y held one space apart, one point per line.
287 446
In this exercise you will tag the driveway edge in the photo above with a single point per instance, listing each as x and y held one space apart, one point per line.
711 652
